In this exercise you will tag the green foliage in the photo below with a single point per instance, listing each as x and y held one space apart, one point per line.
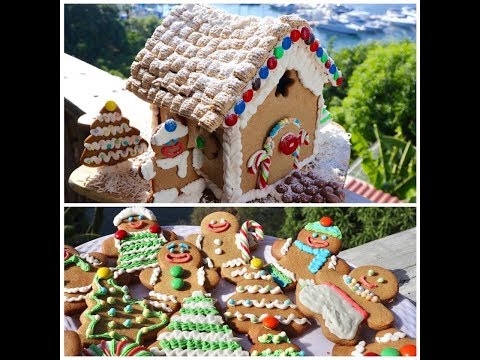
80 226
358 225
95 34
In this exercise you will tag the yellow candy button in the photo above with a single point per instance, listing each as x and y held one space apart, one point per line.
110 105
256 263
104 273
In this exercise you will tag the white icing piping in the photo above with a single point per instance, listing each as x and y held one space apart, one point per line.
179 161
234 263
160 305
359 349
238 272
196 335
284 271
253 289
197 352
265 303
74 299
286 246
163 297
109 117
154 276
133 211
390 337
198 242
207 261
81 289
201 276
333 262
90 259
255 319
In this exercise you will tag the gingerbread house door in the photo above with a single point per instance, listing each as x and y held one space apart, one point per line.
281 152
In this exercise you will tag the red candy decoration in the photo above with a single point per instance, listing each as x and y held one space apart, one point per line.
272 63
328 64
305 33
326 221
270 322
295 35
231 119
66 255
314 46
408 350
370 354
120 234
339 81
248 96
155 229
288 144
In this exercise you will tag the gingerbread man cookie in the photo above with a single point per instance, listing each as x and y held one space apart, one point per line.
268 340
315 249
137 241
180 272
255 299
342 303
79 270
197 329
112 314
390 342
224 243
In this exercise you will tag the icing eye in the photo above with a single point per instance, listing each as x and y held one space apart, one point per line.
223 221
182 250
184 246
131 218
315 235
141 217
213 222
370 272
380 280
171 247
324 237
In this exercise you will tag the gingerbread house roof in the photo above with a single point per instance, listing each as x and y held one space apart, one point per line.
201 61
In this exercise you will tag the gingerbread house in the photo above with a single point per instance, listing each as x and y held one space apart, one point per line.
249 90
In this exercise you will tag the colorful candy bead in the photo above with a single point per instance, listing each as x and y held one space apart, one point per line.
231 119
287 43
263 73
370 272
231 302
111 300
272 63
256 263
389 351
176 283
128 309
278 52
408 350
270 322
370 354
112 312
155 229
110 105
120 234
103 290
239 107
310 39
314 46
305 33
333 69
295 35
199 142
380 280
256 84
127 323
328 63
339 81
104 273
176 271
319 52
248 95
326 221
324 57
170 125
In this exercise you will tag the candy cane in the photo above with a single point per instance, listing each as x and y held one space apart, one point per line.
257 230
304 140
255 160
243 246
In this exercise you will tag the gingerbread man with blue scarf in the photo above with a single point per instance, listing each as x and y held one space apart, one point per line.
315 248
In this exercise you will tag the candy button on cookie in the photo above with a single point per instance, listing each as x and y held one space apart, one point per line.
104 273
390 352
120 234
408 350
155 229
176 283
370 354
176 271
256 263
270 322
110 105
326 221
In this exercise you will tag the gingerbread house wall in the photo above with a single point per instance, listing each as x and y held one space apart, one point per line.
300 103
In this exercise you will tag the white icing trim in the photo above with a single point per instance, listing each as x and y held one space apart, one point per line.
179 161
147 170
90 259
80 289
238 272
359 349
198 241
210 184
286 246
306 282
390 337
284 271
165 196
74 299
256 319
162 136
207 261
133 211
206 319
197 335
201 276
197 305
197 159
109 117
163 297
232 163
197 352
234 263
333 262
190 193
160 305
253 289
265 304
154 277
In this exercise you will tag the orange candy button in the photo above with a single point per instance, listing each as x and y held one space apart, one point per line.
326 221
408 350
270 322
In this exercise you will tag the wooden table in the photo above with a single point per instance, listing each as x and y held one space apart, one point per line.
396 252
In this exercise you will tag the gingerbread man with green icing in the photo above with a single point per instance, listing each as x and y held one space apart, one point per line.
180 272
314 250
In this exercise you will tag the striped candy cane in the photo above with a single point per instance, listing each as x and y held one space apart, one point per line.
304 140
257 232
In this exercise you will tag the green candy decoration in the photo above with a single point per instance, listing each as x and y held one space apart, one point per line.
278 52
335 76
324 58
390 352
176 271
200 142
176 283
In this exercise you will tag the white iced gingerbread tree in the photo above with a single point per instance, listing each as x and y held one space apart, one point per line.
197 330
112 139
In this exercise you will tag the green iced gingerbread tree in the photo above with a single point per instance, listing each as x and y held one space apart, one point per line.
197 330
113 314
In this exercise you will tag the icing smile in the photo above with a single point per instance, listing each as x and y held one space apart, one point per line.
366 283
178 258
136 224
219 227
317 243
173 150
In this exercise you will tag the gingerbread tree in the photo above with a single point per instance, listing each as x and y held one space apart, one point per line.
112 139
113 314
269 341
197 330
257 298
